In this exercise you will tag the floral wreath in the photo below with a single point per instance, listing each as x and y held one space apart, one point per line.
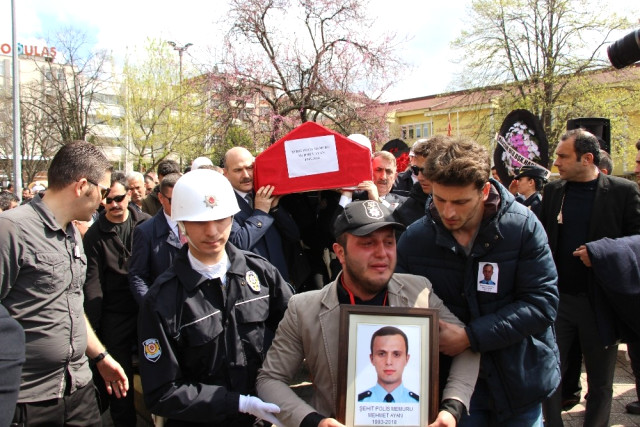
524 142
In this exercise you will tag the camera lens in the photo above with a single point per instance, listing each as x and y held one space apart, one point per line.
625 51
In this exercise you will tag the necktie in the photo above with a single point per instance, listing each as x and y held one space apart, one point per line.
388 398
249 199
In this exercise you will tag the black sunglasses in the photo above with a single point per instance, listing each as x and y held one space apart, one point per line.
104 191
416 170
168 198
116 199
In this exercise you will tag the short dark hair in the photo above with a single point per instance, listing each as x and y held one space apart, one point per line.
584 142
74 161
168 166
169 181
6 197
638 145
120 178
148 177
458 162
606 162
386 331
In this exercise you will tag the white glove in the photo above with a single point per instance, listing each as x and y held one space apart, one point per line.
256 407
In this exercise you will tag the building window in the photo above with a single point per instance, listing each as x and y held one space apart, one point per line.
416 130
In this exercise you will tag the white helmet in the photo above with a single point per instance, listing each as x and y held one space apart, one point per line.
203 195
199 162
361 139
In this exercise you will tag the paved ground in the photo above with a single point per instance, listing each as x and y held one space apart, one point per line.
623 393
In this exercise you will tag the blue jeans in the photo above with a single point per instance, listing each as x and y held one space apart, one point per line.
483 413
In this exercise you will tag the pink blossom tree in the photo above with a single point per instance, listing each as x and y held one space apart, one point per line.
291 61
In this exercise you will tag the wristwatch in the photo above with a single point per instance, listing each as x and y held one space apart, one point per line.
99 357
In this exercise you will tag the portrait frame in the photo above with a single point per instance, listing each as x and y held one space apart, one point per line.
421 328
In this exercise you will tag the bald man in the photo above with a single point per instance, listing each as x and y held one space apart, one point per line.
261 226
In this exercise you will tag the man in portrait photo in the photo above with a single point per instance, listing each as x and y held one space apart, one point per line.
487 272
389 356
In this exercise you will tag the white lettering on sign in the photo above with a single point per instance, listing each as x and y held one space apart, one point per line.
389 414
311 156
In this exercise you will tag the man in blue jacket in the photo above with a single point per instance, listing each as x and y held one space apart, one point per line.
156 243
472 221
261 226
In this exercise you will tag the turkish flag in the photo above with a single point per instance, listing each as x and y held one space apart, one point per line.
312 157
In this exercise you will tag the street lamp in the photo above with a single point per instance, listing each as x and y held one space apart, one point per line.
181 50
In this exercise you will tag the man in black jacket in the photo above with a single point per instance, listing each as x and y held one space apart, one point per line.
585 205
207 322
109 303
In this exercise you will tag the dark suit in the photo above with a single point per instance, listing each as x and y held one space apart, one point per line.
403 183
264 233
154 248
615 213
413 208
394 200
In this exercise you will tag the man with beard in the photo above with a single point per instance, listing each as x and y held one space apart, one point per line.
262 226
366 247
582 207
109 302
471 222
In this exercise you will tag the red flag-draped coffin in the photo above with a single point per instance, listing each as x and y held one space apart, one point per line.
312 157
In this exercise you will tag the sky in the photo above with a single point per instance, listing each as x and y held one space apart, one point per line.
121 25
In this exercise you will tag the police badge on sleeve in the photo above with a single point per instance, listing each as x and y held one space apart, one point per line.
152 350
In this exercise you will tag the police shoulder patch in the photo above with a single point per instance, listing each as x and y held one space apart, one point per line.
364 395
253 281
152 350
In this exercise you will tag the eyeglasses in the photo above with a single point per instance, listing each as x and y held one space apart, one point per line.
104 191
168 198
416 170
116 199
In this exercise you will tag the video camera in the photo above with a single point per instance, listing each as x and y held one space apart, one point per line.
625 51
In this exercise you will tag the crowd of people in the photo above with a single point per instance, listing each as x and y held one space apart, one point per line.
216 292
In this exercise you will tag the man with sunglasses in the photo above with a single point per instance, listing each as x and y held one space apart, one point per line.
406 180
109 302
43 268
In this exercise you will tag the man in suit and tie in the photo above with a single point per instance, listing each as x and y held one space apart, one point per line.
155 243
262 226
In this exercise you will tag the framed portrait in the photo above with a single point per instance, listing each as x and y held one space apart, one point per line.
387 366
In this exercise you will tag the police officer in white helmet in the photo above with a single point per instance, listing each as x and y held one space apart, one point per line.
207 322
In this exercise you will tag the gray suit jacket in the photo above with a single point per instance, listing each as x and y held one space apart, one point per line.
309 331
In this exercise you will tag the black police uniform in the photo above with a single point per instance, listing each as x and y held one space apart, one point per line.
202 343
534 202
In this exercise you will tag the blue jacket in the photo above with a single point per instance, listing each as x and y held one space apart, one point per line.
264 233
512 328
154 248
